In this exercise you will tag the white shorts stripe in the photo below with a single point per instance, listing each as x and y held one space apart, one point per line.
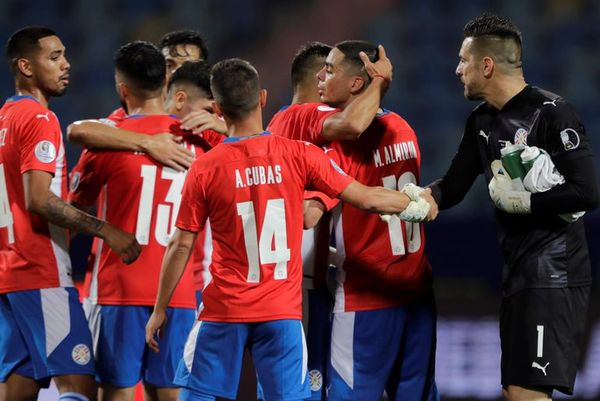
304 356
57 316
342 346
190 346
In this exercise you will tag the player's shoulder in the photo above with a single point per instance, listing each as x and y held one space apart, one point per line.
553 108
29 108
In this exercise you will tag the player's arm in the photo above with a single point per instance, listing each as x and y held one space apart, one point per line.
313 211
41 201
383 200
578 193
464 169
163 148
176 257
356 118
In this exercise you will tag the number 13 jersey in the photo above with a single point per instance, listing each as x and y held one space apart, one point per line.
139 196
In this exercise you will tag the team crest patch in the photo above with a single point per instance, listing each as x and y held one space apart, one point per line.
45 151
325 108
315 379
75 181
569 138
81 354
521 136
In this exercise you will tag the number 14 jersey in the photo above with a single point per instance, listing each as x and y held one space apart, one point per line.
142 197
252 190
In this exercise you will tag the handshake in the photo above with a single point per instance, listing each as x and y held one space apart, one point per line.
422 206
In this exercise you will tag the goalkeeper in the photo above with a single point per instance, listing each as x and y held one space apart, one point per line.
547 273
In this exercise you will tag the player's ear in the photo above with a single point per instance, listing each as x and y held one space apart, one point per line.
262 98
488 67
122 90
180 99
25 67
217 109
357 84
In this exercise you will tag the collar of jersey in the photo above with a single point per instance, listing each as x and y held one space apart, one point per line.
16 98
149 115
243 138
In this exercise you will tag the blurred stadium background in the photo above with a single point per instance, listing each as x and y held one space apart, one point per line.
422 38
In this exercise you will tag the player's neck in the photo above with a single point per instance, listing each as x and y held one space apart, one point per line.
35 92
505 89
305 95
249 126
149 106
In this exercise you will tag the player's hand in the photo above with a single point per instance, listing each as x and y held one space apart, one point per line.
201 120
153 328
166 149
433 206
503 193
122 242
382 67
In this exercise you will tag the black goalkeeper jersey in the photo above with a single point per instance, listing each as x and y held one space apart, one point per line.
540 249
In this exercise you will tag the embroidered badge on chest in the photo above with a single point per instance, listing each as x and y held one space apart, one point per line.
521 136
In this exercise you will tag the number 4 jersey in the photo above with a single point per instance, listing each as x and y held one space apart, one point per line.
33 253
252 190
140 196
380 264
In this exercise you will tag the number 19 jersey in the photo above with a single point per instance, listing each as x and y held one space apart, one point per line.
252 190
380 264
139 196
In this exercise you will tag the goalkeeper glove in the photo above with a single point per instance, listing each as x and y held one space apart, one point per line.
503 193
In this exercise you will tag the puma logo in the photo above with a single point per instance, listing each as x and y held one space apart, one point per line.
540 367
486 137
44 116
553 103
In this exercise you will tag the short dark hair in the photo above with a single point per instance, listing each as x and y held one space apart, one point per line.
487 28
142 65
195 73
308 58
184 37
351 50
25 42
235 86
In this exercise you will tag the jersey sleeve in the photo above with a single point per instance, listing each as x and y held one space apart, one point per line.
193 212
324 174
565 134
40 143
303 122
87 179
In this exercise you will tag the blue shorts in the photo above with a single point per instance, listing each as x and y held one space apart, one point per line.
122 356
213 354
391 349
317 313
198 298
43 334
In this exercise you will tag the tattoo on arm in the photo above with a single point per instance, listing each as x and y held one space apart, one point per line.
65 215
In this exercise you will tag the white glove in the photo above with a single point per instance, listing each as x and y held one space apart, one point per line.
503 193
543 176
417 208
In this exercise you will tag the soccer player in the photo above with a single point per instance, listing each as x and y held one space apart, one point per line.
143 196
44 332
177 48
546 276
317 301
383 331
251 187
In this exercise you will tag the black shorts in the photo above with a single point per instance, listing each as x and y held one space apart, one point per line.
541 334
